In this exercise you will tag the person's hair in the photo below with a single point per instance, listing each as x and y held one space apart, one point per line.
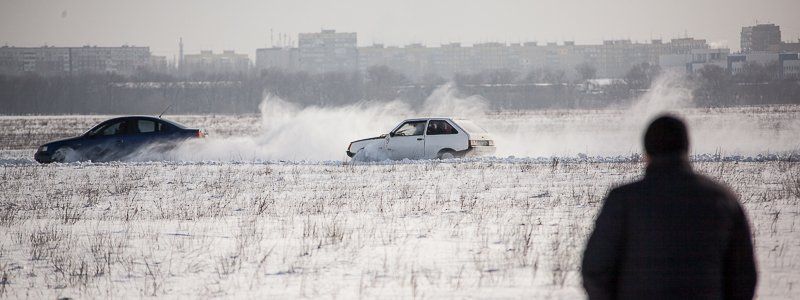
666 136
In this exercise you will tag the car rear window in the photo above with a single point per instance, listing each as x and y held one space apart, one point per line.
168 123
470 127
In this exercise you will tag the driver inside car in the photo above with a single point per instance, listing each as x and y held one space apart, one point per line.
433 128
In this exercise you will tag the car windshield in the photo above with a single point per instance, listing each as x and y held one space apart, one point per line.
411 128
470 127
94 129
105 128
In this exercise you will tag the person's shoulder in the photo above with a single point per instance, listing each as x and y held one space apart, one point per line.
628 187
712 186
716 190
625 189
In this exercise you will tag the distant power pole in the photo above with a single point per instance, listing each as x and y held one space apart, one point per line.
69 51
180 53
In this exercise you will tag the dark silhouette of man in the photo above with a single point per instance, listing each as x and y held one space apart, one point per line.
673 234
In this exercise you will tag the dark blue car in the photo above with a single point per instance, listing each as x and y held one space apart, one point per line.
116 139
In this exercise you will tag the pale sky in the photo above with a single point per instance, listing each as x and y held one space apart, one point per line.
244 26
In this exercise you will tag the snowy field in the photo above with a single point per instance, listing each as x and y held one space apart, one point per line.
482 228
268 206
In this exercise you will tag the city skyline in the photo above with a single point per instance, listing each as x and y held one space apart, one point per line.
244 28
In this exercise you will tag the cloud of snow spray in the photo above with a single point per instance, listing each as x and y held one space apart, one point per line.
289 132
619 131
592 132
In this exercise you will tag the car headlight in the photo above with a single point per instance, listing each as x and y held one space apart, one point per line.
43 148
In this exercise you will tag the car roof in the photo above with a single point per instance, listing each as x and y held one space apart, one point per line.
426 119
173 123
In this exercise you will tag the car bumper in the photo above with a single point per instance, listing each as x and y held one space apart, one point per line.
43 157
474 151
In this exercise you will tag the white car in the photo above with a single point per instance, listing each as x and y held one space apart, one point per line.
425 138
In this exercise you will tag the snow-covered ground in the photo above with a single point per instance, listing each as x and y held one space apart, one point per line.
480 228
268 207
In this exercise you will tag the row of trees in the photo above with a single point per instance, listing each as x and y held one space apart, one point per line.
148 93
754 84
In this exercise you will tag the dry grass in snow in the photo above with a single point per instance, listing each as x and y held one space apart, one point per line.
421 230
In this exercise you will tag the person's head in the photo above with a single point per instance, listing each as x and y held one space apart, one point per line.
666 137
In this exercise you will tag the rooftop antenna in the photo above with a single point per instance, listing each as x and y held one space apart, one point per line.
165 110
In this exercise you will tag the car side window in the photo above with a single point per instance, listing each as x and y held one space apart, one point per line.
411 128
147 126
129 127
437 127
112 129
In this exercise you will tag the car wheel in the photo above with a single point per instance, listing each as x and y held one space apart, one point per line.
447 154
63 155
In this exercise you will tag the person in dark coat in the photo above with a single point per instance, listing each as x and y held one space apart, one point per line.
673 234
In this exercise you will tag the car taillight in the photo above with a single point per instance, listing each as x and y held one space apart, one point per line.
200 134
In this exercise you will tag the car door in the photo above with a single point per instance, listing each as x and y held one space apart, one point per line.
105 142
407 141
441 135
141 133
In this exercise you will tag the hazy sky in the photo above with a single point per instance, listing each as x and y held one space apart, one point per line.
245 25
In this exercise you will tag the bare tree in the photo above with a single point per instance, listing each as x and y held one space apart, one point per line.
641 76
586 71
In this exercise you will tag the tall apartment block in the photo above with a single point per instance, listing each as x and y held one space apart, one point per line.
73 60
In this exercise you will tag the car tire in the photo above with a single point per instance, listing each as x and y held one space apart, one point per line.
447 154
62 155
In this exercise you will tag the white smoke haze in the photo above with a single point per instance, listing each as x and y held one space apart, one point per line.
290 132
